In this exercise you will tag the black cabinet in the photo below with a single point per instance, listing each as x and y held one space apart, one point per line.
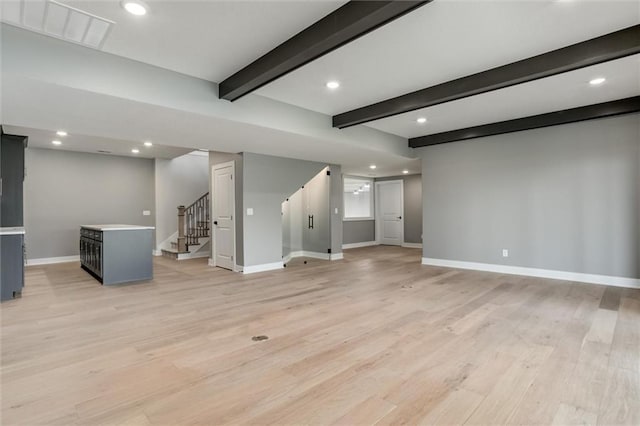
11 215
12 178
91 258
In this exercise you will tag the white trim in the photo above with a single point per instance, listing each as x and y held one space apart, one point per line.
534 272
378 216
157 252
231 164
336 256
210 262
412 245
50 260
357 245
311 254
262 268
371 202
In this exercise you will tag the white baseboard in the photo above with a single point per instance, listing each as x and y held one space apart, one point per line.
534 272
412 245
50 260
262 268
311 254
157 252
336 256
236 268
357 245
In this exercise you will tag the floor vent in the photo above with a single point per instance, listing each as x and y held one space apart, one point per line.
57 20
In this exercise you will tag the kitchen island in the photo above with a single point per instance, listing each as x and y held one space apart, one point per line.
11 262
116 254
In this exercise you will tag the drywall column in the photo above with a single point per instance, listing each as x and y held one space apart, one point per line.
336 210
562 198
267 182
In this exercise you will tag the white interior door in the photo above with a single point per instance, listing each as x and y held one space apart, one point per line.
223 211
389 212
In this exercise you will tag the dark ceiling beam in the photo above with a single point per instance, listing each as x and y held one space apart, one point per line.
589 112
611 46
345 24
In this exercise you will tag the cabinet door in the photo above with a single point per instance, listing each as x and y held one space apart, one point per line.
12 174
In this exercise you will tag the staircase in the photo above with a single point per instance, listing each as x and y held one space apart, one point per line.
193 229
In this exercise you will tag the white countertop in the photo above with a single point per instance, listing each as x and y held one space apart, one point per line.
12 230
117 227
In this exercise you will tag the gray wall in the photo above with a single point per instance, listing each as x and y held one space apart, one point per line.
358 231
412 206
267 182
179 181
64 190
225 157
561 198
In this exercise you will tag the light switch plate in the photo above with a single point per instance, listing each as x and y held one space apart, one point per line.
146 212
336 211
249 211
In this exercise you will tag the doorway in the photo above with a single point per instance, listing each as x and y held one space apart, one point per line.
389 215
224 235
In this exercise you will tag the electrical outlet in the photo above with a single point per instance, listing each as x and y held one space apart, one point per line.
336 210
505 253
146 212
249 211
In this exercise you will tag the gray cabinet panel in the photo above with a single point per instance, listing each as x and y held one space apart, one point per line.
12 266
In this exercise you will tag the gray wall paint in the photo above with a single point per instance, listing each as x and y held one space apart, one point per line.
179 181
412 206
358 231
267 182
64 190
561 198
336 208
224 157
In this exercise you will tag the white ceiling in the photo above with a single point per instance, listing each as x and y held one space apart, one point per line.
39 138
205 39
555 93
448 39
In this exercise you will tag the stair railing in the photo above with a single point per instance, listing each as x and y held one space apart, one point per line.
193 223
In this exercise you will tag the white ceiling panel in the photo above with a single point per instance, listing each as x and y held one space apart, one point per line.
442 41
562 91
205 39
39 138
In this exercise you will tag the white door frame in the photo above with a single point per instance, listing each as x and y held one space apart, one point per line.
211 209
378 215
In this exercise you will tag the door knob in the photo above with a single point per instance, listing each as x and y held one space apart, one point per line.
215 222
399 217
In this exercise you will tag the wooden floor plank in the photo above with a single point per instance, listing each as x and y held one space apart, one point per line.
376 338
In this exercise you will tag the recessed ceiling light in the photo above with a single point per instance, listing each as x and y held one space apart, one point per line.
135 150
147 143
56 142
373 166
406 172
135 7
421 120
597 81
333 85
61 133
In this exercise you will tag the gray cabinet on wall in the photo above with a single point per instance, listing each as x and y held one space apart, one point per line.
11 215
12 179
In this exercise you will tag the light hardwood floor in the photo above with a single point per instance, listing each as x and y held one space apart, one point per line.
376 338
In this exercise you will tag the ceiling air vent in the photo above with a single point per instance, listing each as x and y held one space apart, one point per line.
57 20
